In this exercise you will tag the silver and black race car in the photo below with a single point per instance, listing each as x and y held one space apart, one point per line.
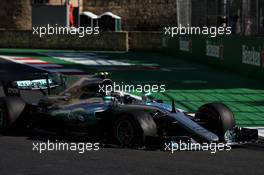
61 104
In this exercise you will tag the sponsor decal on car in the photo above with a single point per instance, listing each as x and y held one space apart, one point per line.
13 91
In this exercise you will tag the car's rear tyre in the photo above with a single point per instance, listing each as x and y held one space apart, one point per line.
10 110
131 130
3 116
217 117
2 94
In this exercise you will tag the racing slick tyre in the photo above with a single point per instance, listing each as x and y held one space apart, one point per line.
131 129
2 94
217 117
10 110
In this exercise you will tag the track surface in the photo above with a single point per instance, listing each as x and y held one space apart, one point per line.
18 158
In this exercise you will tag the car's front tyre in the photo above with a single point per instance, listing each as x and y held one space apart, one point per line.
217 118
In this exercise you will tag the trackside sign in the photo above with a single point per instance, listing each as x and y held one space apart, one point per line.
251 56
185 44
214 49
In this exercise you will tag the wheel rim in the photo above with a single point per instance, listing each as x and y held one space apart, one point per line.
125 132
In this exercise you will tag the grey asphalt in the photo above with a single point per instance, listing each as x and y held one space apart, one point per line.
18 158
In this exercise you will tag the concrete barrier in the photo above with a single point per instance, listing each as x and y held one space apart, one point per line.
146 41
113 41
106 41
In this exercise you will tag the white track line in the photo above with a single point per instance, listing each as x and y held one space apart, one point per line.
42 65
31 61
86 59
48 66
66 70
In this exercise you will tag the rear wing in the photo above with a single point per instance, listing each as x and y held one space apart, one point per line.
36 81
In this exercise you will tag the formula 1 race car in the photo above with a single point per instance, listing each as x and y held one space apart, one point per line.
60 104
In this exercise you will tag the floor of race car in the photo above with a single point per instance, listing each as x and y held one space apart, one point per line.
191 84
